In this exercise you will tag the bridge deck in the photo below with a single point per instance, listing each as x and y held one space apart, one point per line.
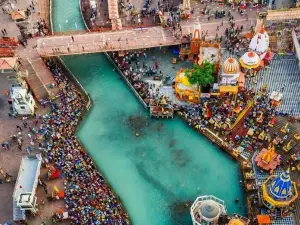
138 38
106 41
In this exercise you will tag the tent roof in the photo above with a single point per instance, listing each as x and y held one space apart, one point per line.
18 15
263 219
236 222
8 63
230 89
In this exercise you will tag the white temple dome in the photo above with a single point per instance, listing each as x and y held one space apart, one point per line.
250 59
260 42
210 209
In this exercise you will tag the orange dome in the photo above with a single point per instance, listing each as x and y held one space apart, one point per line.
262 30
231 60
251 54
231 66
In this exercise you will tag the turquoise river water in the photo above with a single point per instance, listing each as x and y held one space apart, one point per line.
156 173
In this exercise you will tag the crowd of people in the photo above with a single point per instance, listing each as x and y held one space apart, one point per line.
134 66
88 197
233 39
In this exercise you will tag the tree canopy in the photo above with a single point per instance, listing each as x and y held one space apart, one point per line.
201 75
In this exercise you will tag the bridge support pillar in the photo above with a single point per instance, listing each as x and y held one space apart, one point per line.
116 24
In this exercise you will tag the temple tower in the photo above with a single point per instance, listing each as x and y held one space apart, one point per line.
196 39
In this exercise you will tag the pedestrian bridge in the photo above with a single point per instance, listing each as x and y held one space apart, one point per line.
95 42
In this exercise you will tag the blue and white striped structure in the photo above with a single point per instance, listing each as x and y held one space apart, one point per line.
281 187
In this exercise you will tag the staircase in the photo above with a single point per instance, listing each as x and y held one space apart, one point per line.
237 128
34 82
18 213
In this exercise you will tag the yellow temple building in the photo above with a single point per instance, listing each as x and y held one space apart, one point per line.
185 91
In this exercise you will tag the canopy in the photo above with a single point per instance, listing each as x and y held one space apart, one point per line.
8 63
276 96
230 89
263 219
17 15
236 222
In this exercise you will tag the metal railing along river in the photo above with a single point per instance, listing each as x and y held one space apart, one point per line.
129 84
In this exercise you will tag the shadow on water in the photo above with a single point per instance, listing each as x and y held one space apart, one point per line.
179 157
172 143
155 183
137 124
156 126
178 210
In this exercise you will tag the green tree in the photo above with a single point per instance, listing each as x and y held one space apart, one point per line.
201 75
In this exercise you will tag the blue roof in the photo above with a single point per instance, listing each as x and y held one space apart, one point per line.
281 186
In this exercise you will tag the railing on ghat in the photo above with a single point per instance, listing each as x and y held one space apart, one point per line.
214 135
70 32
50 17
82 17
129 84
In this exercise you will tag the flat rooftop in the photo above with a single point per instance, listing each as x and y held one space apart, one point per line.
29 170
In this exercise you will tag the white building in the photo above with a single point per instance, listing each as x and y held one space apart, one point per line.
206 210
22 101
296 41
260 43
230 72
24 198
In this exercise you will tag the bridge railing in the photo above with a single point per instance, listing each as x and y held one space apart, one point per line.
101 47
100 30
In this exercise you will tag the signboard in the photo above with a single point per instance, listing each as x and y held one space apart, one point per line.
205 95
290 14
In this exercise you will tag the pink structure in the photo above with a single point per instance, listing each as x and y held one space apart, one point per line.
113 12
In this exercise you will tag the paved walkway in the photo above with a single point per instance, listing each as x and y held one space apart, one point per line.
40 79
